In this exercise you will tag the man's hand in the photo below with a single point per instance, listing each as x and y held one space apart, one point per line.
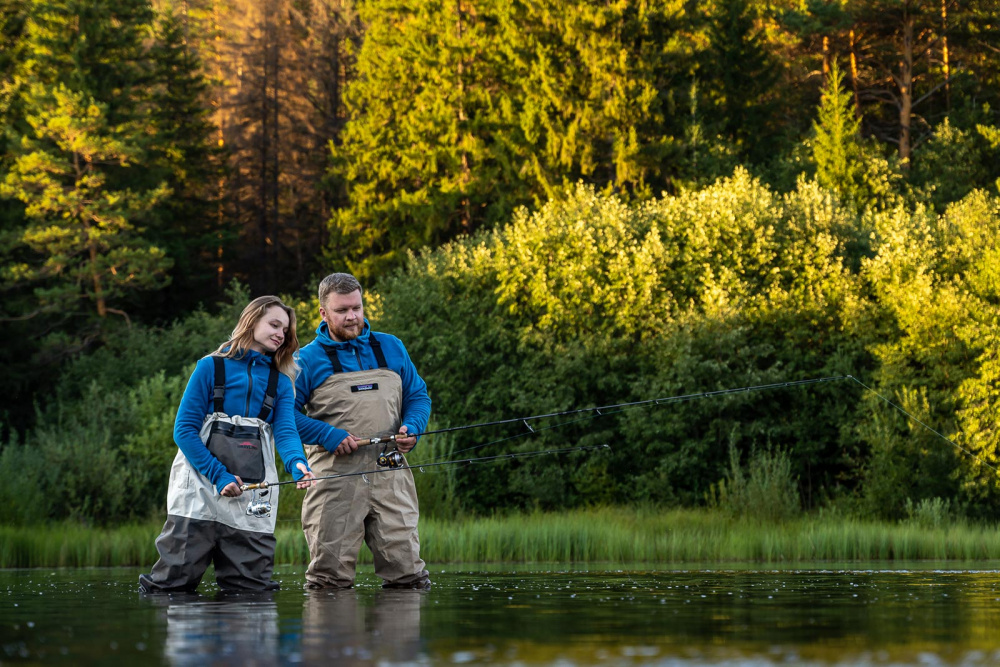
404 444
308 478
232 490
347 446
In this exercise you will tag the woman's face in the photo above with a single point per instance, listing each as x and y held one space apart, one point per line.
270 330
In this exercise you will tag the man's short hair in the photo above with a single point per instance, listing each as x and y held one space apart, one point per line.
341 283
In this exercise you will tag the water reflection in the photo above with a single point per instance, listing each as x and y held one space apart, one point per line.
520 616
384 628
233 629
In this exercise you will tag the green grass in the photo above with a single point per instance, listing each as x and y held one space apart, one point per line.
610 534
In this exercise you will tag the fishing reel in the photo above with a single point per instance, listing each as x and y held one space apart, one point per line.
391 459
259 505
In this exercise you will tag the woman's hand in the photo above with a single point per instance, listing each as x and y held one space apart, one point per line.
232 490
308 478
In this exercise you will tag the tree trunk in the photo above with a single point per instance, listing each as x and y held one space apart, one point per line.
906 91
466 172
102 307
854 75
946 66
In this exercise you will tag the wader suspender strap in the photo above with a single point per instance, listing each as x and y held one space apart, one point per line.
377 349
331 352
219 389
270 394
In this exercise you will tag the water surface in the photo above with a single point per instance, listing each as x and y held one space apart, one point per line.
584 615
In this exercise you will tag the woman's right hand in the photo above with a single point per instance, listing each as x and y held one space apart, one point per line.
232 490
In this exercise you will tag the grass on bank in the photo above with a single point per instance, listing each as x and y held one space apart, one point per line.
595 535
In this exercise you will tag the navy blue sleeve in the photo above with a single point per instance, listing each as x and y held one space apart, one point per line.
195 405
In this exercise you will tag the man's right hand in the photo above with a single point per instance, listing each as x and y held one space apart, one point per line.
347 446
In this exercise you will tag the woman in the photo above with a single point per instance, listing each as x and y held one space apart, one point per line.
238 404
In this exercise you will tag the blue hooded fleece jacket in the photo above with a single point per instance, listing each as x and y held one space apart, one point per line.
246 383
356 355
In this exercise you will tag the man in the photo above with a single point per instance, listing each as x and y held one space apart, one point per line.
357 384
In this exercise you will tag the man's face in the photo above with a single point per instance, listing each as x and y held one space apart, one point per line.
344 314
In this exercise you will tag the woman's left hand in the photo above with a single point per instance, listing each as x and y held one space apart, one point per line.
308 478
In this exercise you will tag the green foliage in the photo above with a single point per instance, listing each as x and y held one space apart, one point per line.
80 100
102 447
948 166
591 302
739 74
835 146
765 491
81 229
462 112
930 512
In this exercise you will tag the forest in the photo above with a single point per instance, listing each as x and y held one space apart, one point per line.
556 205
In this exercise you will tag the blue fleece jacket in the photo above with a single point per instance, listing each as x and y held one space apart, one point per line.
246 383
356 355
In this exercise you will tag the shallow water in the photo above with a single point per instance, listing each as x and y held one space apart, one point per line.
583 615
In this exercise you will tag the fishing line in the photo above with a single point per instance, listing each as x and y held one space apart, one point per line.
935 432
606 410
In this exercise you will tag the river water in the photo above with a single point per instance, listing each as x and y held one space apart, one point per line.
920 614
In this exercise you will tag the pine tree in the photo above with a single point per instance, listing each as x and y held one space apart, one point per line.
81 92
81 230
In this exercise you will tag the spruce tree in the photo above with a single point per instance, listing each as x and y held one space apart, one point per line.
836 149
180 153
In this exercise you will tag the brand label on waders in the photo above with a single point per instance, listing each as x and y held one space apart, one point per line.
372 386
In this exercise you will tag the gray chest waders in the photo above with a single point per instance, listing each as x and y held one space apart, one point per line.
245 445
379 508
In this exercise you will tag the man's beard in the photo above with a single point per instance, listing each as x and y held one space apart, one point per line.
345 334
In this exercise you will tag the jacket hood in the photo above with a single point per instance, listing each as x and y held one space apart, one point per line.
323 336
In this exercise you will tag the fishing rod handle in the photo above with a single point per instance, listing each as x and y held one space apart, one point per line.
248 487
364 442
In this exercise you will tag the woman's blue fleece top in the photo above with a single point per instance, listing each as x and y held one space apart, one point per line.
246 383
356 355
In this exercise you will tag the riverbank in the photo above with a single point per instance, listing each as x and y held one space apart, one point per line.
608 535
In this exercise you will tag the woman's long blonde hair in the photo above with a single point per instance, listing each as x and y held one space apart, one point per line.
241 340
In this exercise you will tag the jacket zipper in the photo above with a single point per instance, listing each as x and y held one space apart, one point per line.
246 410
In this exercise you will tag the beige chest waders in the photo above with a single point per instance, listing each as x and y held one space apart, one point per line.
379 508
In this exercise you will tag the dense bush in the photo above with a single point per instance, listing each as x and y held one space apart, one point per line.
590 301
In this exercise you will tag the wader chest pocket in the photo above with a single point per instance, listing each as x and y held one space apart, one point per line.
240 449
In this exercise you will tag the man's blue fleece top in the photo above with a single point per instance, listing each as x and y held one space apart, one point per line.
356 355
246 383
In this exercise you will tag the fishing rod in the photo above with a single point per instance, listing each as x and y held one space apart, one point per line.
605 408
951 442
394 461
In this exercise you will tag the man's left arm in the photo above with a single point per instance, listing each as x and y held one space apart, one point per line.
416 401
